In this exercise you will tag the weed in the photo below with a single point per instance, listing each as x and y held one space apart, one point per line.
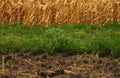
76 38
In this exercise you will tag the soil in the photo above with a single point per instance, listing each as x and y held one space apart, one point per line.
27 65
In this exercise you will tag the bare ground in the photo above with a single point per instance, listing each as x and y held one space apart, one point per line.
26 65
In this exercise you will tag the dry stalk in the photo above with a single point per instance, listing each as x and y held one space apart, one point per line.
46 12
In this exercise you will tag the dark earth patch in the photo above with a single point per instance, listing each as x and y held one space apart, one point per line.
26 65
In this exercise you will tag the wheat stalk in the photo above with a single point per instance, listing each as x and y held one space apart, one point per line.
46 12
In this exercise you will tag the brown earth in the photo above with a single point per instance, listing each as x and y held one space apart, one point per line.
26 65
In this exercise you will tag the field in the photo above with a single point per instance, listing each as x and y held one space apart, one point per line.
59 38
47 12
56 51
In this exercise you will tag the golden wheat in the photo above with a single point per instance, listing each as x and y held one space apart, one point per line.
46 12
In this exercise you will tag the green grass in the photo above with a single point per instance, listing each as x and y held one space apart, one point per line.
70 39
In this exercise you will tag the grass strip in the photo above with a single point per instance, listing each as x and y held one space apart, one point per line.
71 39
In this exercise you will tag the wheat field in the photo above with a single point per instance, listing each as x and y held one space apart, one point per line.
47 12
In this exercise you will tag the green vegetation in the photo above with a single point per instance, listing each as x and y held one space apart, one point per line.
75 38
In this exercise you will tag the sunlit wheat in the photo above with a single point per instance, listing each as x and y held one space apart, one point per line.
59 11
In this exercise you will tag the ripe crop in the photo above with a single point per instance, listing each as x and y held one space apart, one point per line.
47 12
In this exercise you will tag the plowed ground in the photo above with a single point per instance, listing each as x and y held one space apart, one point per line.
26 65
